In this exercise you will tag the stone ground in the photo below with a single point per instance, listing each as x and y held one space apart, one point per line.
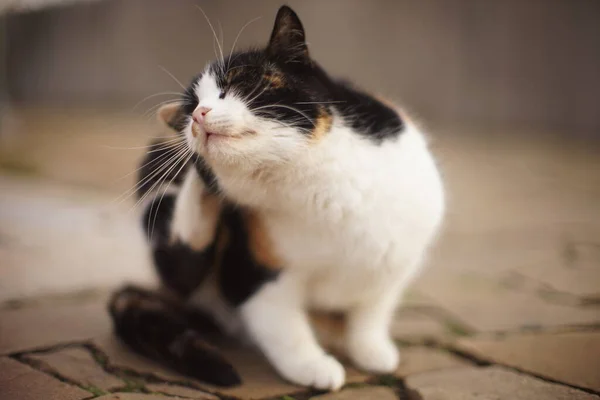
509 307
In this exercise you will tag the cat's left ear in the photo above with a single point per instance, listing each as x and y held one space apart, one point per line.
288 41
171 115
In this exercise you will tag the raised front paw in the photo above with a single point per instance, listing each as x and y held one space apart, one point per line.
322 372
378 356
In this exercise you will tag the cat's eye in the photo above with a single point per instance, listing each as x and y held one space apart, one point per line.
222 94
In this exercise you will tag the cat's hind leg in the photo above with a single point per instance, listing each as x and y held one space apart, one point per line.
368 340
163 330
276 319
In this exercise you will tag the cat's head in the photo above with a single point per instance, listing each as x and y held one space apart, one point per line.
258 106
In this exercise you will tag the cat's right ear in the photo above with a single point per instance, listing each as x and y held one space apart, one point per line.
171 115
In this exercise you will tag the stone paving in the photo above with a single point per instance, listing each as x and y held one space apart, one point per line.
509 307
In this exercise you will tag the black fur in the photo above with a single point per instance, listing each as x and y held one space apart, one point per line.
304 86
367 115
179 267
240 275
162 330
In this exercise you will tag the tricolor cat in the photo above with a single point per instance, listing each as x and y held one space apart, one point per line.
294 196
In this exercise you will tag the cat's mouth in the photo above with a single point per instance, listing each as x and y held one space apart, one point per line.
215 135
220 136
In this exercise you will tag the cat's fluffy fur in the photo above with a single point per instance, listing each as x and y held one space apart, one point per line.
308 195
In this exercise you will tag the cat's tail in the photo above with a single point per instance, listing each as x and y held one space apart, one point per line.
166 332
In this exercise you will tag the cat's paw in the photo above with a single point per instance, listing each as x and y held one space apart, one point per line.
323 372
378 356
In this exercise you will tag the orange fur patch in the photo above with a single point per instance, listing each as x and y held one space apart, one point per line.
328 321
275 79
260 243
233 72
322 124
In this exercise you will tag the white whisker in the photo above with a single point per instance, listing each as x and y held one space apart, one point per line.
154 95
236 39
286 107
155 160
155 107
143 147
320 102
173 76
129 192
191 154
172 163
215 36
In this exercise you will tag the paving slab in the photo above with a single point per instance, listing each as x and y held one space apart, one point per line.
472 277
410 324
259 378
489 383
572 358
21 382
366 393
415 360
181 391
38 327
78 365
134 396
575 269
487 306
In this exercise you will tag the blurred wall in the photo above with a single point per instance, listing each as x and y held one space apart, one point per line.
532 63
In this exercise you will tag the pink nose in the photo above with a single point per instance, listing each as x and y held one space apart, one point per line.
199 113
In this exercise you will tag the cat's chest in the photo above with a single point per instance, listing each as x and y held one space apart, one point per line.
327 240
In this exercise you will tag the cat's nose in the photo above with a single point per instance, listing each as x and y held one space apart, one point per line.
199 113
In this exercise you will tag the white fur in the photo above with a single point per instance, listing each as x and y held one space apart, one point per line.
192 223
352 221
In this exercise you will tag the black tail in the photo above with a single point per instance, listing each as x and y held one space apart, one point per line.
165 331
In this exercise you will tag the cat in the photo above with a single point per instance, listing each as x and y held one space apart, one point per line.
297 195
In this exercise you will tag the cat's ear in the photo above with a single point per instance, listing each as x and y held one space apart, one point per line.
171 115
288 41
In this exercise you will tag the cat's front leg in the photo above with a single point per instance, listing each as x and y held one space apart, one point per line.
278 324
182 234
196 213
368 340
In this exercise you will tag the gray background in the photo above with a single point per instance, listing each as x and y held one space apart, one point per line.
526 63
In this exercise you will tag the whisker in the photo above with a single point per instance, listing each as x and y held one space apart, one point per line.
129 192
252 92
214 34
155 160
158 184
236 39
238 66
172 163
167 188
286 107
142 147
173 145
173 76
154 95
320 102
155 107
